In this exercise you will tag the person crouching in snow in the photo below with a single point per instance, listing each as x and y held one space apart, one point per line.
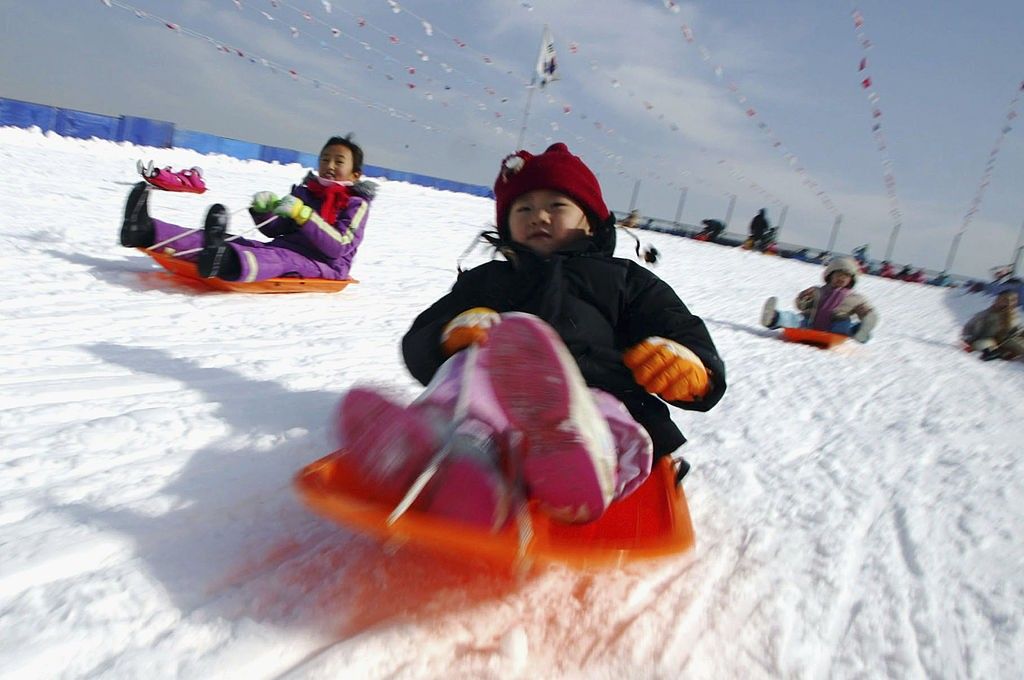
316 229
997 332
828 308
547 372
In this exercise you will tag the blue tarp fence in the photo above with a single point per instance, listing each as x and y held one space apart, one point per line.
164 135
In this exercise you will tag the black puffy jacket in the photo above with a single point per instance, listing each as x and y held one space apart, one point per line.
600 305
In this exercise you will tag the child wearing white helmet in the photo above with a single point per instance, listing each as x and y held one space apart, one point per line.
832 307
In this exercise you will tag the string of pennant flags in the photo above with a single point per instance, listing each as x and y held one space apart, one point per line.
567 108
397 41
276 67
545 72
673 171
990 163
867 84
413 72
412 68
651 108
295 32
564 107
674 126
294 74
411 77
752 113
741 177
435 80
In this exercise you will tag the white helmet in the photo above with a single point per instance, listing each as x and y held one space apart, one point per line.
843 264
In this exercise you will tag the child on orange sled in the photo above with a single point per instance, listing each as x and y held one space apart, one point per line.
829 307
547 372
316 229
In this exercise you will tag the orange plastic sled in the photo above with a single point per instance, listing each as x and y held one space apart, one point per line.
187 269
810 336
653 521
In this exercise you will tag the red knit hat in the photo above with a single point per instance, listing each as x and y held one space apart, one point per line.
555 170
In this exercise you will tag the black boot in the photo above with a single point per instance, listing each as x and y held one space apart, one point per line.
137 229
217 258
682 467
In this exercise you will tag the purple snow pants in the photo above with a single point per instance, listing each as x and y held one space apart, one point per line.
452 383
259 260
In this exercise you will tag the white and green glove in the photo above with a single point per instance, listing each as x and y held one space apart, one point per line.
264 201
293 208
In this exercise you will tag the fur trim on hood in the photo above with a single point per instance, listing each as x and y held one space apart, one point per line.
843 264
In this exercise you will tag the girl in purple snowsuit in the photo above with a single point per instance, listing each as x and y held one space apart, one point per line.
316 229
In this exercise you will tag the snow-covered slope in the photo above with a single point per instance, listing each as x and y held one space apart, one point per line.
858 511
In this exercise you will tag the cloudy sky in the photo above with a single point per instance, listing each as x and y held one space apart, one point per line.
764 101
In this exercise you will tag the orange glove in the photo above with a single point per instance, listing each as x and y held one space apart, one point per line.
666 368
468 328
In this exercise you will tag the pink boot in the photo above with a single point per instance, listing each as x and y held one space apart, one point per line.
392 446
469 485
389 444
568 453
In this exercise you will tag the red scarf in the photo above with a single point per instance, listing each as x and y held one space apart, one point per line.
333 198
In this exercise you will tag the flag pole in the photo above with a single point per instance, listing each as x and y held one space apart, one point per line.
544 72
526 113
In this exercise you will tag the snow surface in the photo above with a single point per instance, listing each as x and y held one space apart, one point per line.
858 512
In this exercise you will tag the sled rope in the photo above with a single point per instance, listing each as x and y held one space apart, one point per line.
524 530
417 486
524 521
192 231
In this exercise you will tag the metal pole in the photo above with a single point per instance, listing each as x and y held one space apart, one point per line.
682 202
636 192
835 233
1017 248
892 243
526 114
952 252
728 211
782 221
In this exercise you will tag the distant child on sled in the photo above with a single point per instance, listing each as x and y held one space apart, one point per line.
547 372
832 307
996 332
316 229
